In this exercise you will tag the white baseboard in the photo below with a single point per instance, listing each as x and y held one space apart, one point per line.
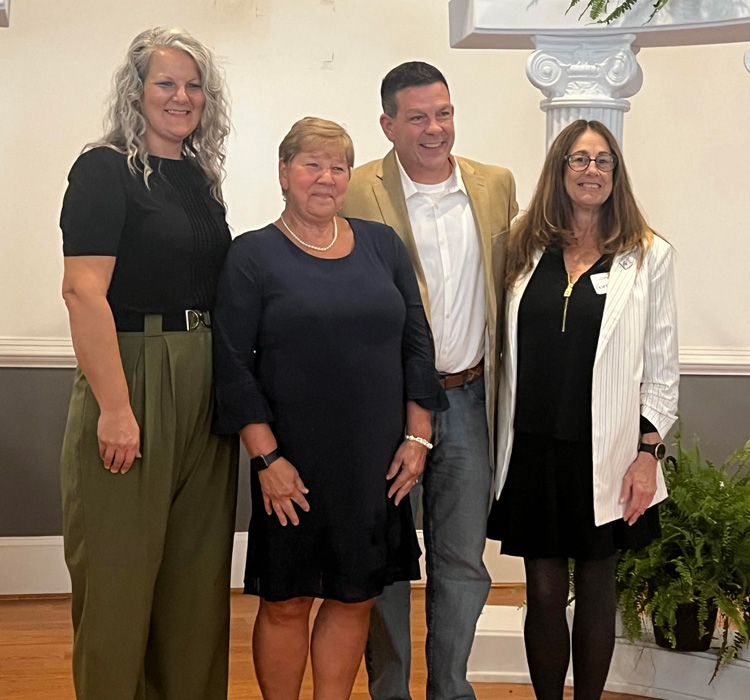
58 353
32 566
36 565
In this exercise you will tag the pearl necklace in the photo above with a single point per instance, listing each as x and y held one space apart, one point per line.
310 245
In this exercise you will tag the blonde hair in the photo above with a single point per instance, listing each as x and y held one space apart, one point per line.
312 132
549 218
125 125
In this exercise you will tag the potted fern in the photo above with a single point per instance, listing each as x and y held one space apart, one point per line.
701 564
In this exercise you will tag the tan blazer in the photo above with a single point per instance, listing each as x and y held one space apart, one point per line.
636 371
375 193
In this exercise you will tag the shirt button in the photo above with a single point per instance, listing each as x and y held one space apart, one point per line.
442 241
447 315
447 278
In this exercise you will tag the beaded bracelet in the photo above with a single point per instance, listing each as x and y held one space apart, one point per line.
420 440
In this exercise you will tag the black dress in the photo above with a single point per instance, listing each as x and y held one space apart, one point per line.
546 508
327 351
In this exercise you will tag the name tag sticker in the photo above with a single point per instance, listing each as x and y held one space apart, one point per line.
600 282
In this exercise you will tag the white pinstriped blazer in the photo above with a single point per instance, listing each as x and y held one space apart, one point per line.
636 372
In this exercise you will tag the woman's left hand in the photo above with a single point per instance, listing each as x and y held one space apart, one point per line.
407 465
639 486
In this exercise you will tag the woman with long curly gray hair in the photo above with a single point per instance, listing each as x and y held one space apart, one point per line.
148 492
126 124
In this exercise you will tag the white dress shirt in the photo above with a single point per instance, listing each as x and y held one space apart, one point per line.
448 245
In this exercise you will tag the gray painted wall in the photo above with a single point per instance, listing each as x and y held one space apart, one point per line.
716 410
33 405
33 409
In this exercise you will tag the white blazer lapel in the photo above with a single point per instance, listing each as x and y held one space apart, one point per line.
621 280
507 390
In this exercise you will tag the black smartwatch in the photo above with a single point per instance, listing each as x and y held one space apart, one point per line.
658 449
262 462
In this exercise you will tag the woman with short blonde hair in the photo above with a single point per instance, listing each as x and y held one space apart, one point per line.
324 364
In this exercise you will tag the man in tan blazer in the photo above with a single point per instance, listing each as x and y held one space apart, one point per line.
451 213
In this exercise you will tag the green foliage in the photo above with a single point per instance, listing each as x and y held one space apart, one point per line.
703 555
599 10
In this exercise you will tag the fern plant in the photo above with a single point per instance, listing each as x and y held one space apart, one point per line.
599 10
703 556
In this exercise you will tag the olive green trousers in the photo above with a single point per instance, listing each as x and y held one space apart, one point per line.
149 552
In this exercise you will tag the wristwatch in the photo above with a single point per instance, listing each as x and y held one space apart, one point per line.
262 462
658 449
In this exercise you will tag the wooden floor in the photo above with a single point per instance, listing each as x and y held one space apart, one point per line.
35 648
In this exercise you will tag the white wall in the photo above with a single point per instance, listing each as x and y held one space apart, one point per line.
687 137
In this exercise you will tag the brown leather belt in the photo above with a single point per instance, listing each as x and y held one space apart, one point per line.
451 381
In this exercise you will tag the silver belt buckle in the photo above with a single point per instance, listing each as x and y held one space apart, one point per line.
194 318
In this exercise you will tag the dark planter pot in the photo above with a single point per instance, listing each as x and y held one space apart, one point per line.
686 630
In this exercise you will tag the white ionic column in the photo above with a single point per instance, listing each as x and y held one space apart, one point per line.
584 78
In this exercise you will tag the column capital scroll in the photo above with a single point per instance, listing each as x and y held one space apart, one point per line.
584 77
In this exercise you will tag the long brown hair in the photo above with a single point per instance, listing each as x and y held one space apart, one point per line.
549 218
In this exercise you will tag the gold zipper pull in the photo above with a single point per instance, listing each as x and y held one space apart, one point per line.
566 294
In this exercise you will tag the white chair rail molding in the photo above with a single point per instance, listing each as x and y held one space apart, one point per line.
57 353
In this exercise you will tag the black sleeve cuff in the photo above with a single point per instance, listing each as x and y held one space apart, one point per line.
423 386
647 426
237 405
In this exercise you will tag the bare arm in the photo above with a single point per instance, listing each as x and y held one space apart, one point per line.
92 327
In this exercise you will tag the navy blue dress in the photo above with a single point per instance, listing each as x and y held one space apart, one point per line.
327 351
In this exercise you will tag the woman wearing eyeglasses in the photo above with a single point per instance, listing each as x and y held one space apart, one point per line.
588 390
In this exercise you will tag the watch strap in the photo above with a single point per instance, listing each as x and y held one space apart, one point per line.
262 462
657 449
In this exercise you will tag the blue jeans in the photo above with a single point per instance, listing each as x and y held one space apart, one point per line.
456 491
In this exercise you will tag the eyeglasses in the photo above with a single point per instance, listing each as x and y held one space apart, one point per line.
579 162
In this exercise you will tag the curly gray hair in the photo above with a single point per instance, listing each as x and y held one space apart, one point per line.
125 125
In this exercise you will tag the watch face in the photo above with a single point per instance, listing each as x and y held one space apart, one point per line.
660 451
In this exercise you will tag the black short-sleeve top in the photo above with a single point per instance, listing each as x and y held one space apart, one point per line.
169 238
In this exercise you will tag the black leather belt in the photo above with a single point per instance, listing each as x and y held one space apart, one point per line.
188 320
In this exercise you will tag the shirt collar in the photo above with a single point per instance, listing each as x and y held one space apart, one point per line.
454 183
